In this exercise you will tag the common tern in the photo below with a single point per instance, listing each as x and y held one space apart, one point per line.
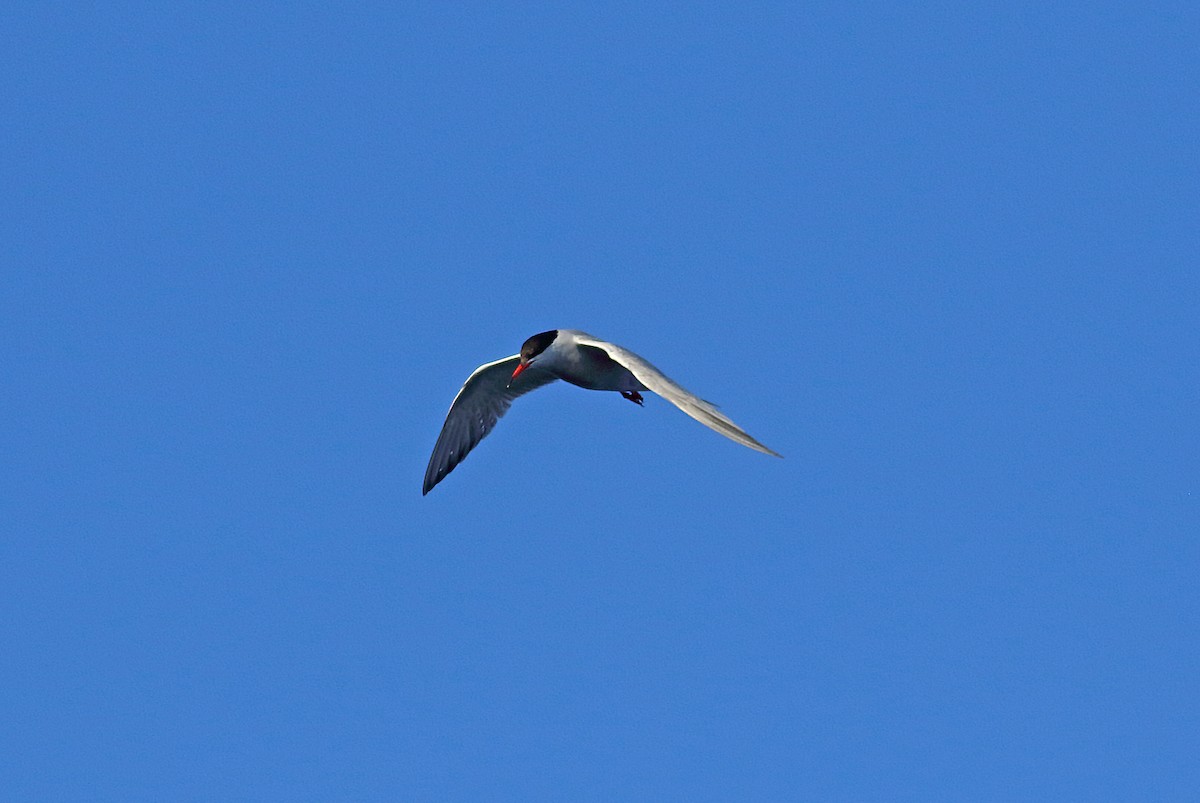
575 357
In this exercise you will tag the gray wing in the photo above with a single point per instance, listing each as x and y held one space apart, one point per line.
484 398
703 411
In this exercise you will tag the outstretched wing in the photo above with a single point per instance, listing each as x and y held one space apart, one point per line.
703 411
484 398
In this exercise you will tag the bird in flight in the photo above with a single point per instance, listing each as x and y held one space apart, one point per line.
574 357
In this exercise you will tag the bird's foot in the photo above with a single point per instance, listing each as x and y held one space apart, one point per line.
633 396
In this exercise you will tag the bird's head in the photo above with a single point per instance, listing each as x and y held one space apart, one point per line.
532 350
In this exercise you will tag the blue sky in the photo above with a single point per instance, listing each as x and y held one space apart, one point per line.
943 257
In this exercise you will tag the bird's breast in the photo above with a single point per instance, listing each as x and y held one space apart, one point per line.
590 367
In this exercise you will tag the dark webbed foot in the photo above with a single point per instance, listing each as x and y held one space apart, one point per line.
633 396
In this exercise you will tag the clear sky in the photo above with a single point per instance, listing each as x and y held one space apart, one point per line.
942 256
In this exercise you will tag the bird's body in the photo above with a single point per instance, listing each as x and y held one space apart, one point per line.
572 356
572 359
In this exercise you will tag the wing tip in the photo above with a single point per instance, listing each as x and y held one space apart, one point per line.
432 478
760 447
431 481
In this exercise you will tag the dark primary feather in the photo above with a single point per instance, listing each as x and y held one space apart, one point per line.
484 398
